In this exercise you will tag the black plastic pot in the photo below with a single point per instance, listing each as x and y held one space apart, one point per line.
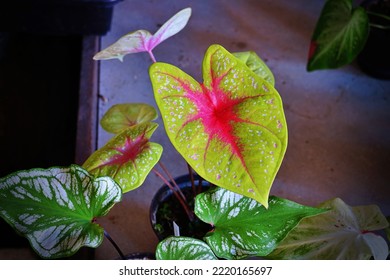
82 17
374 59
166 209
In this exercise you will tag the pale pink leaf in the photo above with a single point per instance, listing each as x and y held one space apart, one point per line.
143 40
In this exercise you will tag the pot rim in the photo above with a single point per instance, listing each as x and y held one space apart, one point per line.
183 181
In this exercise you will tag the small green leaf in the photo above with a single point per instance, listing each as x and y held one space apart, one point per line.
339 36
123 116
388 229
257 65
55 208
344 232
243 227
183 248
231 129
128 157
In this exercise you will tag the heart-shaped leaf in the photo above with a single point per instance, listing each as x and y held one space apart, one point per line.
231 129
143 40
55 208
123 116
339 36
183 248
243 227
128 157
344 232
257 65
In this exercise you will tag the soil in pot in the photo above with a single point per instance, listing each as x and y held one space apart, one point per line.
140 256
166 210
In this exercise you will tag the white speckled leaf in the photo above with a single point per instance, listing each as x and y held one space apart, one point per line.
54 208
243 227
143 40
183 248
128 157
231 129
123 116
344 232
257 65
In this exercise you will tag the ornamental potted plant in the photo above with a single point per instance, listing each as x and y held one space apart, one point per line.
344 32
230 129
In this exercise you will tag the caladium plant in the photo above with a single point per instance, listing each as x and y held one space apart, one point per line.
339 36
184 248
56 208
342 31
231 128
344 232
242 227
143 40
123 116
128 157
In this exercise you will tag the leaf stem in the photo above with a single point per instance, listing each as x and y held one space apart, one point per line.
152 56
179 196
191 174
379 15
115 245
172 180
384 27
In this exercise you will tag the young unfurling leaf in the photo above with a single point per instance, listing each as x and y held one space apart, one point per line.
143 40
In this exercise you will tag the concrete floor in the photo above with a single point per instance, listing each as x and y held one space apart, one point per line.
338 120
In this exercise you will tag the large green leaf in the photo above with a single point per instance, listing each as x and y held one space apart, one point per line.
231 129
183 248
123 116
344 232
339 36
55 208
257 65
128 157
243 227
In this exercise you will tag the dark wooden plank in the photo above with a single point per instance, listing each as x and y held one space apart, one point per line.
87 121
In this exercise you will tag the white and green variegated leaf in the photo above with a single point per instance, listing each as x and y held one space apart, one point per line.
123 116
344 232
243 227
183 248
55 208
257 65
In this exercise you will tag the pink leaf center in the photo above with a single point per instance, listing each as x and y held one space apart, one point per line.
129 152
